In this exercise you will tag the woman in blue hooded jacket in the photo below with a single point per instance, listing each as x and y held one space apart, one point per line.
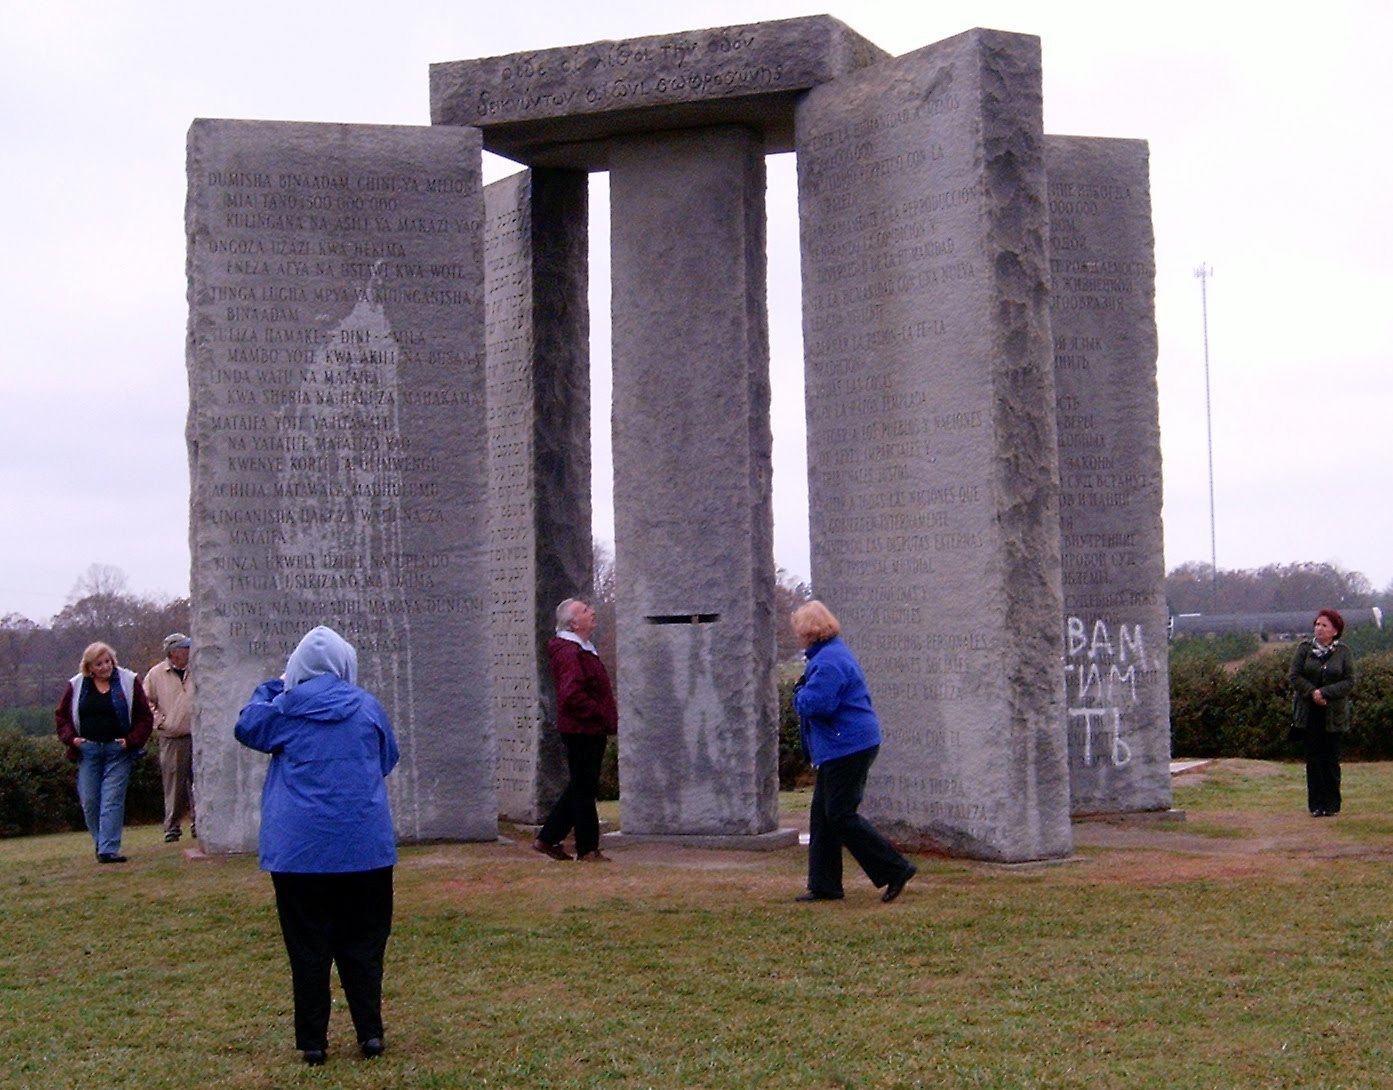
326 832
841 737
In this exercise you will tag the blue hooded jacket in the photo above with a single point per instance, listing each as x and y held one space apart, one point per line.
324 807
834 704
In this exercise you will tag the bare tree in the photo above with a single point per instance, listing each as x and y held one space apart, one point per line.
790 592
602 594
97 581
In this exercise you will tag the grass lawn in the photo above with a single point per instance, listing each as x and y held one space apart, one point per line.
1249 947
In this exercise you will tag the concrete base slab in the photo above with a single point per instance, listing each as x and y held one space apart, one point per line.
757 842
1135 817
532 831
1031 864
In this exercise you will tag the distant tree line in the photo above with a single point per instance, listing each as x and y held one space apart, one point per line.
1192 588
36 659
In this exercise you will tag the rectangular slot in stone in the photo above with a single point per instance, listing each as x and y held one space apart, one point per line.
684 618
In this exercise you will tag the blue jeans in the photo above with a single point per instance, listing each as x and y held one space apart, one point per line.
102 775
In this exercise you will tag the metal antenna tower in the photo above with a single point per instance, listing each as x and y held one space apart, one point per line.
1203 273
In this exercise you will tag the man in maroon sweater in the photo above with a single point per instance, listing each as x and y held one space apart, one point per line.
586 715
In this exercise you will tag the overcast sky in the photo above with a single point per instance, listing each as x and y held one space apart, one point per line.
1270 163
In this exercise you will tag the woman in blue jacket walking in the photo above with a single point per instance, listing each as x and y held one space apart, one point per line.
326 832
841 737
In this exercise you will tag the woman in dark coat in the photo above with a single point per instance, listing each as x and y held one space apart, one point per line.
326 832
586 715
841 737
1322 677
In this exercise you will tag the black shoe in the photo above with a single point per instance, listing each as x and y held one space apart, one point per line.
1320 813
811 896
315 1056
172 836
110 857
553 851
373 1048
895 888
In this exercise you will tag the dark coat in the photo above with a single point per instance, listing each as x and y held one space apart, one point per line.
584 698
1333 676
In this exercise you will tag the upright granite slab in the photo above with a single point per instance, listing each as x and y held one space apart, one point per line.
558 107
337 447
538 341
1103 316
698 738
933 476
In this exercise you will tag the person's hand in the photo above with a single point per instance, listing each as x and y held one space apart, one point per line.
78 740
1318 697
121 742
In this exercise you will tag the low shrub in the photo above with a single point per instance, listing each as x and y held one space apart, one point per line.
1218 647
1254 706
38 788
1246 712
794 770
34 721
1371 735
1195 684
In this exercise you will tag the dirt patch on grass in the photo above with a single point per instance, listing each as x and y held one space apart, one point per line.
1213 844
1222 844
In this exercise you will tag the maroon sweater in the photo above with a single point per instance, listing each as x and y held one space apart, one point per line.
584 698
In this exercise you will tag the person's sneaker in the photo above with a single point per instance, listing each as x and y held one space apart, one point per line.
552 851
171 836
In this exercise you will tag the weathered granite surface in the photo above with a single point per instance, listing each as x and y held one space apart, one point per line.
698 738
337 447
548 107
1102 313
538 351
933 479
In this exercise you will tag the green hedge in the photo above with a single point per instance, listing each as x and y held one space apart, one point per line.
35 722
1246 712
38 788
794 771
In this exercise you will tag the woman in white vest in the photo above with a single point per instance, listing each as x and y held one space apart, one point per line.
103 719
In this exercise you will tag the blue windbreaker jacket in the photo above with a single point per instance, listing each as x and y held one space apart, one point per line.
834 704
324 807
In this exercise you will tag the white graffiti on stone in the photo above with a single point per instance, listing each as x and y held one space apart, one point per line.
1100 675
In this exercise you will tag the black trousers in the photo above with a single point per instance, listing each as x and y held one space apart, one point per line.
343 919
575 809
834 824
1322 770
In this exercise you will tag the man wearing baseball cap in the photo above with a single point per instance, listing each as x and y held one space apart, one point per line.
169 689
